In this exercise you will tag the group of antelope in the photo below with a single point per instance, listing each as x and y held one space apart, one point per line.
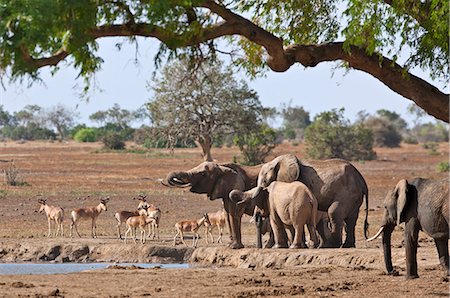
209 220
145 215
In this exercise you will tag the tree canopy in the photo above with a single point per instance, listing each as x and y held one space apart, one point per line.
198 104
384 38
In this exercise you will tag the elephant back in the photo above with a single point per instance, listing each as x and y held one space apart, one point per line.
289 168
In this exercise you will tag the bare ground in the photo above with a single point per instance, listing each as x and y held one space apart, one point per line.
65 173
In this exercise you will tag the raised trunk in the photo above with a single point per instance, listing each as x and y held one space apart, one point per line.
177 179
387 232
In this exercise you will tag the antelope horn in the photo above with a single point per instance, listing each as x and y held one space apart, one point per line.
377 234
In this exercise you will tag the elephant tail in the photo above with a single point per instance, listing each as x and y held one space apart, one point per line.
366 223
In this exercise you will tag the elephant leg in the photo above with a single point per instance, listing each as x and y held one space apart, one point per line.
336 222
411 241
320 227
298 240
279 231
235 221
313 234
442 248
271 242
350 225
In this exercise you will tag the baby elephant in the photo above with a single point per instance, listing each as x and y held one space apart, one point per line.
288 205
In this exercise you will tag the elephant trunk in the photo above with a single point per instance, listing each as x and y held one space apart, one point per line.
178 179
387 232
256 192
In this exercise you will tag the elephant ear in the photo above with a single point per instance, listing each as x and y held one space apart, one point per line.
401 191
227 170
287 168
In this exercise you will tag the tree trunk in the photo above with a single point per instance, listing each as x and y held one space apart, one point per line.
205 143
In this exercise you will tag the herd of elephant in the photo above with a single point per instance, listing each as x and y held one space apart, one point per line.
290 192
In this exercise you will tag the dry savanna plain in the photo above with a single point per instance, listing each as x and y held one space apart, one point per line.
65 173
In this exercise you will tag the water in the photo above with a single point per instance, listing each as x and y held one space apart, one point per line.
56 268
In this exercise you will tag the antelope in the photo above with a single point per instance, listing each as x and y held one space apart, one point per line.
153 211
189 226
217 219
53 213
122 216
138 221
88 213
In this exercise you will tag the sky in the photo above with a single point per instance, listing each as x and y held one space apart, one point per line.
122 81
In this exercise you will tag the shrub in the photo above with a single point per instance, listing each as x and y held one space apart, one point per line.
13 176
443 166
385 133
431 147
331 136
255 146
85 135
432 132
114 141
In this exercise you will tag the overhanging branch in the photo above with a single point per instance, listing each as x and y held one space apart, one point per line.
281 58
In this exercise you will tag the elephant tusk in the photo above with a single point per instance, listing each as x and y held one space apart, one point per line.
376 235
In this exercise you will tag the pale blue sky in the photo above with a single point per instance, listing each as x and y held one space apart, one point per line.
316 89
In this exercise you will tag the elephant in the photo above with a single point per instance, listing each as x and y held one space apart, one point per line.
322 226
288 205
217 181
421 204
337 185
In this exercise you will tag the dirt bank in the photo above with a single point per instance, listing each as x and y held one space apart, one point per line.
89 251
110 250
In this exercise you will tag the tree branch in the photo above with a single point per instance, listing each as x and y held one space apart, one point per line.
425 95
282 58
420 11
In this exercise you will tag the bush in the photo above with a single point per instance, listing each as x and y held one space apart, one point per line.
113 141
331 136
385 133
255 146
432 147
443 166
12 175
430 132
85 135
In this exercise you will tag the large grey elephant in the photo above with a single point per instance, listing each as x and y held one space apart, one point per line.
337 185
288 205
421 205
217 181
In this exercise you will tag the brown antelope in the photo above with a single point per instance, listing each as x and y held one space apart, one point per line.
138 221
216 219
53 213
88 213
189 226
122 216
153 211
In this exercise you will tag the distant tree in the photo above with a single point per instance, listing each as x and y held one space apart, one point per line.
61 118
199 102
399 123
256 145
6 118
385 133
331 135
431 132
29 114
116 115
295 120
116 119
